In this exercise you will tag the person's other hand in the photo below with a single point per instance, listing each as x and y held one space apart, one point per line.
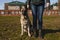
27 6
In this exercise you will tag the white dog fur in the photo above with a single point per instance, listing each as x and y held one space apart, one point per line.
24 23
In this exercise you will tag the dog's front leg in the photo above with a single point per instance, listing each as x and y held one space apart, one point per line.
22 29
29 32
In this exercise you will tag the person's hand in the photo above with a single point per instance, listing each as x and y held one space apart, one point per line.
27 6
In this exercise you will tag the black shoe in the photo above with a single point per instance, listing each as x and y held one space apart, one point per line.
40 33
36 33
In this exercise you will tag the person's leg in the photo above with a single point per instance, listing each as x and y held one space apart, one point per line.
40 11
34 14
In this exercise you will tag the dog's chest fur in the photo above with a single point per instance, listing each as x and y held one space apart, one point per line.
24 22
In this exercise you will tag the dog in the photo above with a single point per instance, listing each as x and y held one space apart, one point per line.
25 22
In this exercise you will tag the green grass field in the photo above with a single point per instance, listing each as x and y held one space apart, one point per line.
10 28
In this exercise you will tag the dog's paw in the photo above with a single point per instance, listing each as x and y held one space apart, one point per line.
21 35
29 35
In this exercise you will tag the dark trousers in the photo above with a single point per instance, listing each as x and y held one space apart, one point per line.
37 12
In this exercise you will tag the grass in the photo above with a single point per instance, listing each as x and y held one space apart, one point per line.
51 22
10 28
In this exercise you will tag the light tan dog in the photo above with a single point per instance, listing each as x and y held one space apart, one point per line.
24 22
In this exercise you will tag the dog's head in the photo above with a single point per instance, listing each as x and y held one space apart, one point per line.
24 11
22 8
